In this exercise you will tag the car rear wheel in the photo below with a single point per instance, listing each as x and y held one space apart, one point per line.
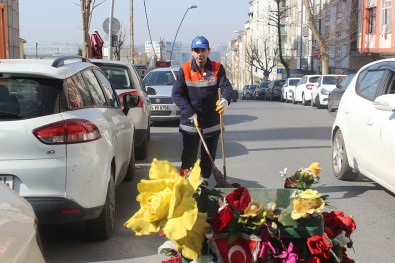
340 165
304 101
141 150
101 228
318 103
131 167
312 102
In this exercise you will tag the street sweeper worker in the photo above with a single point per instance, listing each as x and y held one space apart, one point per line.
195 92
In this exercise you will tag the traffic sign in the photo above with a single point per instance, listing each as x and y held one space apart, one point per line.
115 27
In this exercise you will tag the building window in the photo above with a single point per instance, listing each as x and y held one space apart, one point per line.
372 20
386 16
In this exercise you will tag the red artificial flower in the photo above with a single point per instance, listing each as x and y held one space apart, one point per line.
319 246
315 260
336 222
222 219
176 259
345 258
240 198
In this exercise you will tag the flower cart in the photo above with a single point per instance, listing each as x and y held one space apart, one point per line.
238 224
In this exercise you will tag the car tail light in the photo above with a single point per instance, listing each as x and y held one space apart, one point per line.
309 86
141 103
67 132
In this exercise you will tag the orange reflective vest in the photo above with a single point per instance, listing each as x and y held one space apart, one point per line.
196 91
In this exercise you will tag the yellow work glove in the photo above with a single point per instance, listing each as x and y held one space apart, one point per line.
222 105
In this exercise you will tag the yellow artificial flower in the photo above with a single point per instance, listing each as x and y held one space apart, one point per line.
304 207
167 205
253 209
309 194
315 168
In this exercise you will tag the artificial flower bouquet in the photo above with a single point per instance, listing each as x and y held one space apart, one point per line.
303 178
239 225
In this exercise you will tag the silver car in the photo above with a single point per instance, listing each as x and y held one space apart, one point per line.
159 83
125 79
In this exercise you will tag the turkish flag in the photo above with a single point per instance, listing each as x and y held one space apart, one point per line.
243 250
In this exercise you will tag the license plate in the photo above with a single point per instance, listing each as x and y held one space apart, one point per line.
160 107
7 180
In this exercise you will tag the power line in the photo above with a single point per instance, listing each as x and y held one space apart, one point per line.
149 31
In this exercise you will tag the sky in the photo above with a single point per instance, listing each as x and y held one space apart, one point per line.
60 20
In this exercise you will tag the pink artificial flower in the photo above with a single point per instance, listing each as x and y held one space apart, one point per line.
288 256
266 245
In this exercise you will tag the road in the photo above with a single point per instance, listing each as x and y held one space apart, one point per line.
262 138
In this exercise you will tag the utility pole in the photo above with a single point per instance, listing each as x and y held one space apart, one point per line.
131 32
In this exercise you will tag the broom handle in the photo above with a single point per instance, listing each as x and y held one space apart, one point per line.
221 123
204 143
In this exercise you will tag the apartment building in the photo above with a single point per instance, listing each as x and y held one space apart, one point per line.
376 38
9 29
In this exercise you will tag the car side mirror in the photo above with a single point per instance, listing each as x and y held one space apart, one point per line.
130 101
151 91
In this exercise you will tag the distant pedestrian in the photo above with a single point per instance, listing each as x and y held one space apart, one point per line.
196 94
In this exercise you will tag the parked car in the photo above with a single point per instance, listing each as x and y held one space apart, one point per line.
253 88
288 89
273 90
19 237
260 91
336 94
363 133
69 142
124 78
246 93
321 89
303 89
159 84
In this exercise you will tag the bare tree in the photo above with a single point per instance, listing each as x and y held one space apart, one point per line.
276 19
262 60
325 39
121 40
87 7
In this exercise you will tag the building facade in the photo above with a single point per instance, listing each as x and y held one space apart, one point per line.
9 29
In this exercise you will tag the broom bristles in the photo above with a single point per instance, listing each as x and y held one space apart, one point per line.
220 179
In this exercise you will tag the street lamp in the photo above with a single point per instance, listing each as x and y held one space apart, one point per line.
171 52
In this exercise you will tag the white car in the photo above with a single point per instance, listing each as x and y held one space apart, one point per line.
19 237
159 83
303 89
66 142
125 79
288 89
320 92
363 133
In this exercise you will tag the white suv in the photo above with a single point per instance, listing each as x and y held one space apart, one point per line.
66 143
303 89
320 92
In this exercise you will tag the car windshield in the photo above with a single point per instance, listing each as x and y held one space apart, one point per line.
279 83
331 80
345 82
159 78
293 82
29 98
313 79
263 85
118 77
